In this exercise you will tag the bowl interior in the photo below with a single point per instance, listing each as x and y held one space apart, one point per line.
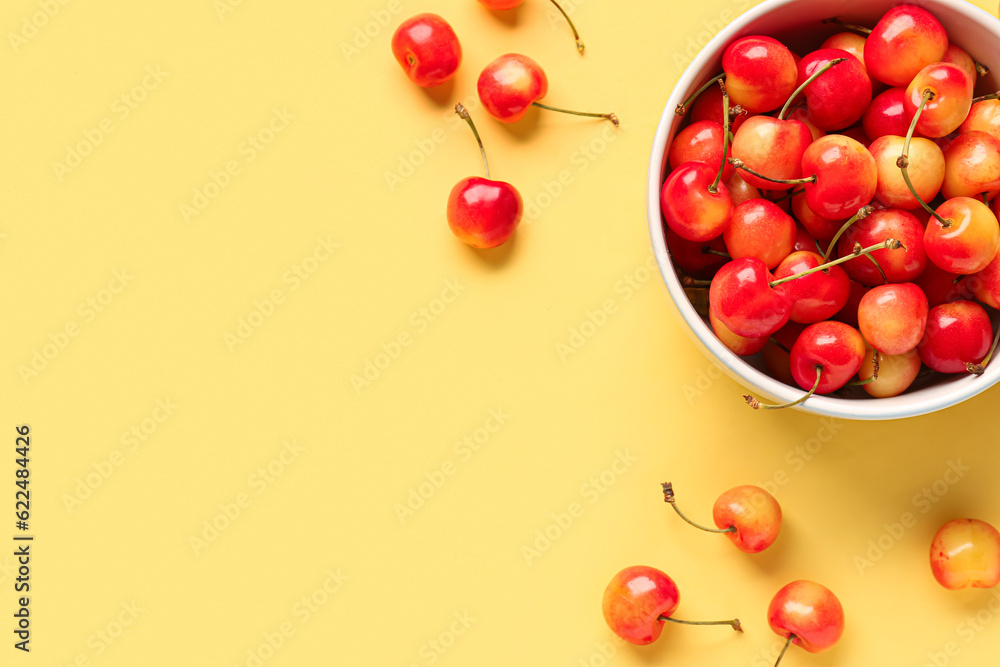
797 23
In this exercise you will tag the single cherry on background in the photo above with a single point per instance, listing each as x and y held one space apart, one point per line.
905 40
481 212
512 83
511 4
427 49
639 599
965 553
760 73
957 337
892 317
748 515
807 614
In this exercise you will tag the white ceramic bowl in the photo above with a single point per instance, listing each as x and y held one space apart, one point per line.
797 23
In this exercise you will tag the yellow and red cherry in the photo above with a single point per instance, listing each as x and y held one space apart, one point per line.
806 614
965 553
760 73
701 141
513 83
854 44
771 146
886 114
947 90
748 515
502 5
972 166
826 356
957 336
837 98
481 212
925 170
738 345
639 599
759 228
970 240
427 49
896 266
742 298
986 283
984 116
817 296
695 204
956 55
905 40
884 375
892 317
820 228
844 176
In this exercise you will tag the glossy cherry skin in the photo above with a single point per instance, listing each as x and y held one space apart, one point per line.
895 374
965 553
691 258
754 513
984 116
940 286
854 44
816 297
837 347
738 345
957 333
689 208
926 171
886 115
972 166
508 85
708 106
839 96
956 55
986 283
846 176
905 40
771 147
739 189
635 599
900 265
742 298
970 243
484 213
892 317
820 228
759 228
950 105
427 49
760 73
809 611
701 141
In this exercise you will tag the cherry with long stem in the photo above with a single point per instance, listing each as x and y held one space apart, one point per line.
891 244
739 164
862 213
668 497
463 113
903 162
714 187
849 26
734 623
608 116
805 84
757 405
576 35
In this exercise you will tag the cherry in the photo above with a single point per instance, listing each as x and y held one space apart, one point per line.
697 259
858 134
481 212
895 372
957 336
854 44
804 240
940 286
944 91
905 40
708 106
926 171
970 239
801 114
972 166
986 283
748 515
826 355
822 229
849 313
740 190
844 176
966 553
956 55
701 141
695 205
776 352
639 599
738 345
758 228
892 317
771 146
760 73
984 116
808 615
511 4
741 298
817 296
886 114
427 49
512 83
895 266
837 98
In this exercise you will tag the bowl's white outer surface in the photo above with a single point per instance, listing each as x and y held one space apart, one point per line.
968 26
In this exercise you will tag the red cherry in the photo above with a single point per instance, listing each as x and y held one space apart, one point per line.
502 4
822 229
892 317
849 313
905 40
986 283
708 106
759 228
760 73
808 615
940 286
773 147
427 49
701 141
815 297
741 297
887 114
958 334
738 345
690 208
901 265
838 97
831 349
698 259
845 176
956 55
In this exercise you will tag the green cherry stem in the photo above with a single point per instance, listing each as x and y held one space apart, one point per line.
980 368
576 35
668 497
991 96
709 251
850 26
686 104
903 162
464 115
789 195
757 405
791 638
609 116
734 624
738 163
862 213
885 279
891 244
981 69
714 187
805 84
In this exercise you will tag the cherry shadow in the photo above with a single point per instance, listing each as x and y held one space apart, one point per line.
509 17
524 129
441 95
497 258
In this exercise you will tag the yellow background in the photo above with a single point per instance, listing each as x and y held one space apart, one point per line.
328 525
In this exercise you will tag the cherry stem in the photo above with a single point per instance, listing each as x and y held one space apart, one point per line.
757 405
981 69
464 114
805 84
683 107
891 244
904 160
576 35
738 163
709 251
885 279
980 368
788 643
668 497
734 624
714 187
688 281
789 195
986 198
991 96
609 116
876 363
778 343
862 213
850 26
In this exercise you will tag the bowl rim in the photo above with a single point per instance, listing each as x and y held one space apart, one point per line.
920 402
